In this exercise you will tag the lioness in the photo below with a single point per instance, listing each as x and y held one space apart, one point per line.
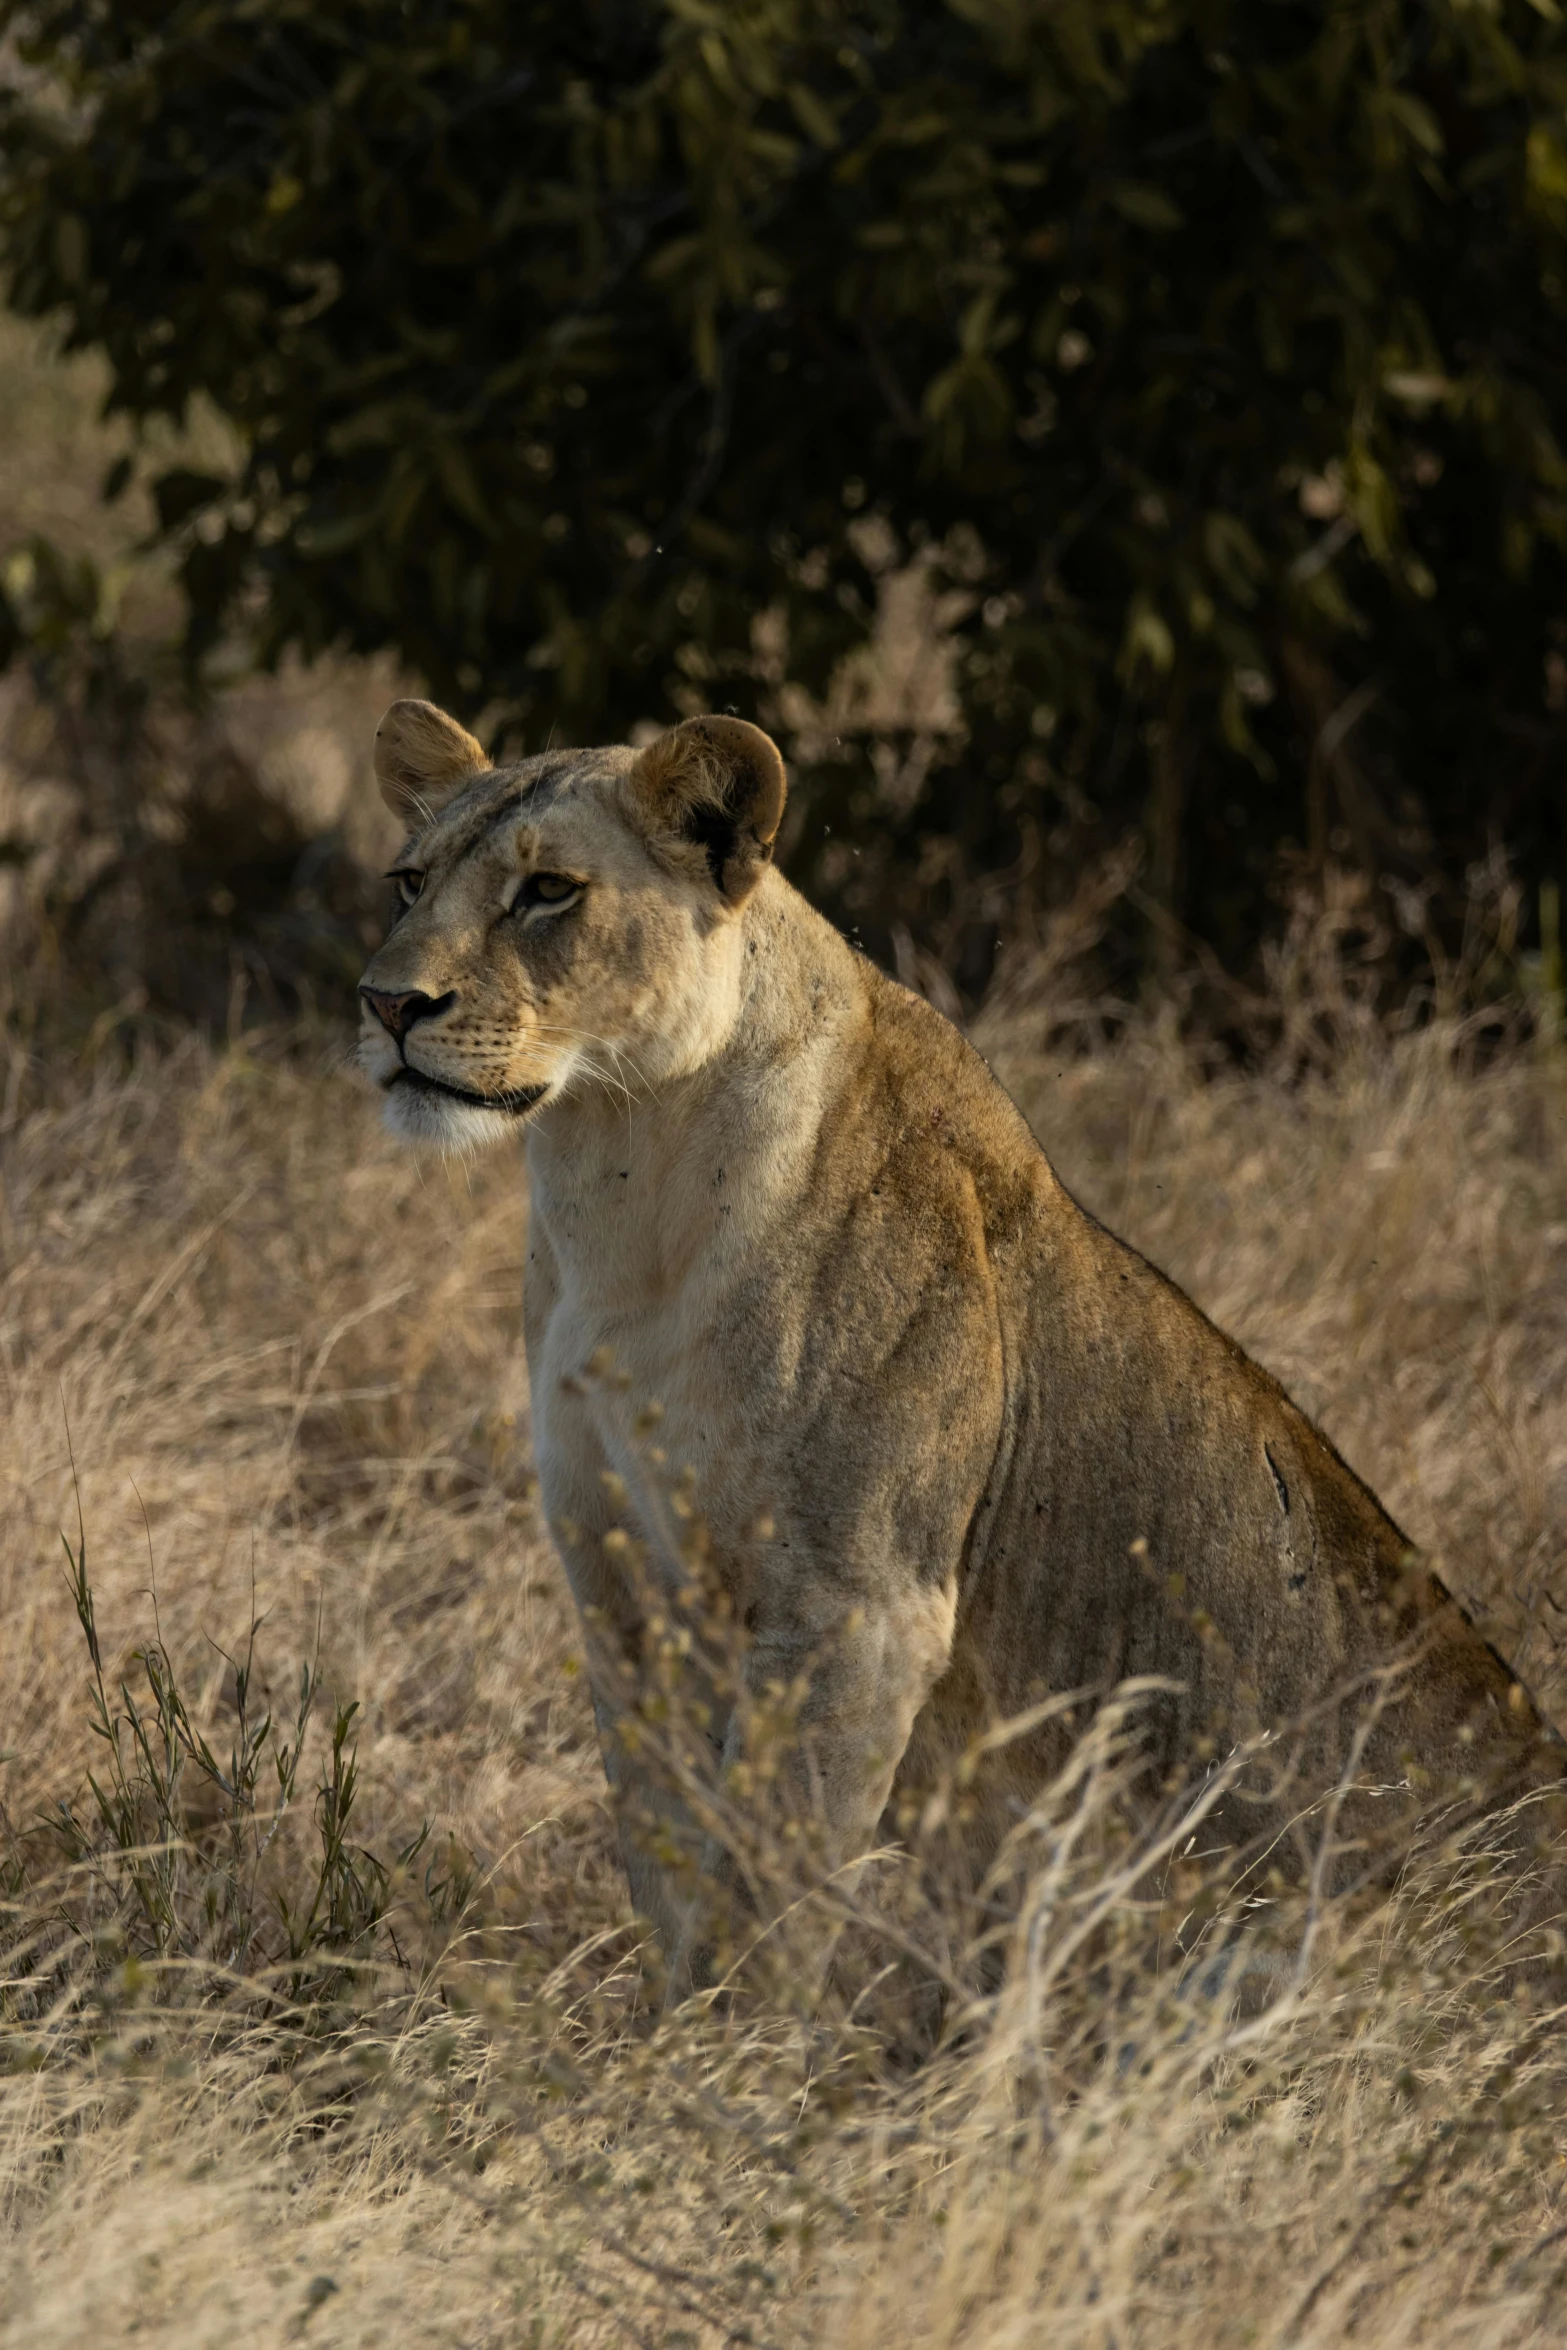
956 1445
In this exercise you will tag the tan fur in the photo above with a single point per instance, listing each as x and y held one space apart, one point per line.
1000 1454
421 757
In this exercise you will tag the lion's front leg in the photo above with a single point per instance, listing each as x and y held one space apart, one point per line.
830 1696
657 1745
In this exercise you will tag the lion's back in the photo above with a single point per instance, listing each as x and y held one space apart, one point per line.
1158 1505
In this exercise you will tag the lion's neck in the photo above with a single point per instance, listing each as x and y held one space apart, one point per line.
645 1190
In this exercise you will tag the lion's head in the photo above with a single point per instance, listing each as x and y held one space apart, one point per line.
569 920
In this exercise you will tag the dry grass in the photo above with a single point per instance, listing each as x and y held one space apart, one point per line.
289 1362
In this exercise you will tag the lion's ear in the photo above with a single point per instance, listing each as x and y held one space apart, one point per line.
422 759
719 784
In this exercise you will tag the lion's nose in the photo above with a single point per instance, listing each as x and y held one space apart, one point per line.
397 1013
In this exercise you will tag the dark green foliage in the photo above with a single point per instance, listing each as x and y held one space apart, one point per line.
1211 350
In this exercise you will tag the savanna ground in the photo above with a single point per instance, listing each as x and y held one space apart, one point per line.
362 2050
286 1362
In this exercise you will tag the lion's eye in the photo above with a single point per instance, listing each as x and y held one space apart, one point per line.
409 883
547 889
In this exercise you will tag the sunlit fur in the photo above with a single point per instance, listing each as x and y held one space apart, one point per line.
630 985
958 1449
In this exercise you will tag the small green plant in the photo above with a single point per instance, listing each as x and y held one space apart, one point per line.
196 1855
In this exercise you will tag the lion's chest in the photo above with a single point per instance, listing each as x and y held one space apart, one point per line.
651 1396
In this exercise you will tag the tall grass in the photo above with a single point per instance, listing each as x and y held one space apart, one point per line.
286 1361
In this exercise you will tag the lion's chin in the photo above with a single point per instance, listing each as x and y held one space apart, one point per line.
422 1111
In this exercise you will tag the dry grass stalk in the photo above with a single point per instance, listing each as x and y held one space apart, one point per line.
289 1358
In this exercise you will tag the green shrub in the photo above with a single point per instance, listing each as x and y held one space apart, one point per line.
1209 353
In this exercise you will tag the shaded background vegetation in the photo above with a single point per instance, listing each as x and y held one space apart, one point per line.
1184 377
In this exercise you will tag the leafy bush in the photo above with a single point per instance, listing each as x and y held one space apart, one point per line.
1205 355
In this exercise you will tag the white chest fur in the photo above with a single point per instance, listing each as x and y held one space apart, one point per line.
655 1227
